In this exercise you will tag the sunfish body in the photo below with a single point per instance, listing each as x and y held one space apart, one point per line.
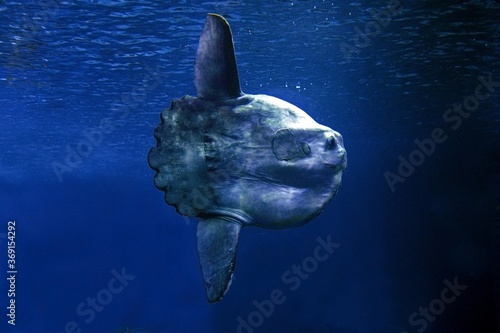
234 159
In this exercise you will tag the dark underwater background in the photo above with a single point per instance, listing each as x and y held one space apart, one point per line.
82 84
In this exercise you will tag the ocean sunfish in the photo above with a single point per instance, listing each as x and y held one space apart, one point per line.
236 160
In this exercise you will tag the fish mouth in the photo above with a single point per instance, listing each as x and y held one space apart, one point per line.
338 167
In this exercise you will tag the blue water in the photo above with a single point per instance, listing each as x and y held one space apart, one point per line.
82 84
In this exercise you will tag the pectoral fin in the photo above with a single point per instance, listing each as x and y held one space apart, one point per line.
217 246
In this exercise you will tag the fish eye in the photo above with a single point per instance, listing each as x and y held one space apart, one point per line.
331 142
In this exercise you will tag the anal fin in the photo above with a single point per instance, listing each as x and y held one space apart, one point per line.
217 246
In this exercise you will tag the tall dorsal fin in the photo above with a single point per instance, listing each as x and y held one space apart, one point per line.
215 71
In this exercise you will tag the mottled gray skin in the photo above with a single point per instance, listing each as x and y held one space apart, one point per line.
217 158
236 160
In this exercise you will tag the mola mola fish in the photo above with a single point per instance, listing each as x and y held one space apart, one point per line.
236 160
